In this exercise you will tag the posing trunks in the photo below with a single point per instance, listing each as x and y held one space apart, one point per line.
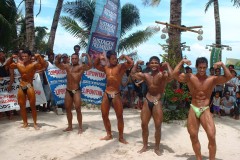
25 88
151 104
198 111
72 92
111 96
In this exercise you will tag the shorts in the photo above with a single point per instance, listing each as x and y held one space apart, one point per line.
216 108
228 109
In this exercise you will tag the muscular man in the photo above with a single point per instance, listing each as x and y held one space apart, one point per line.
27 69
152 107
114 73
201 86
72 96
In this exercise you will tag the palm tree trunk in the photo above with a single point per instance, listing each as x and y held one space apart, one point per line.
217 25
30 34
175 52
55 24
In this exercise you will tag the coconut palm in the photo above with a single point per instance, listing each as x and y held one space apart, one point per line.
29 18
174 48
81 17
55 24
217 18
8 31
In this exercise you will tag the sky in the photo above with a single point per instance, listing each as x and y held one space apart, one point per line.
193 14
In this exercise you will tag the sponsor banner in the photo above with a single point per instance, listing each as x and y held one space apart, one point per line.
235 62
93 86
215 56
100 43
113 5
8 100
104 35
109 14
106 27
57 80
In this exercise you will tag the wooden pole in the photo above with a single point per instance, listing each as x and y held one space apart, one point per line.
179 27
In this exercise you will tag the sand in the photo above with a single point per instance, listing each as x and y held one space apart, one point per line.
51 143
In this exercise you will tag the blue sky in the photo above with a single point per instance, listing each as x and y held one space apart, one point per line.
192 15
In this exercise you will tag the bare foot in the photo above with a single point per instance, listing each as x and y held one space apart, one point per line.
144 149
157 151
25 125
68 129
108 137
123 141
36 127
80 131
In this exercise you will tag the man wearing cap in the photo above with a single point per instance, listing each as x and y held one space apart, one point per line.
65 58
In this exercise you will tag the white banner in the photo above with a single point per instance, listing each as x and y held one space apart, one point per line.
8 100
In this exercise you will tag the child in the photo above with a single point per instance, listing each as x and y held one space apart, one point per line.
216 104
237 106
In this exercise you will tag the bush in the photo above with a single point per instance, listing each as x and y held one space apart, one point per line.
178 114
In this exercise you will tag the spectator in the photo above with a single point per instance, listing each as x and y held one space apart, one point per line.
76 49
237 106
124 90
188 69
215 104
228 104
138 89
5 72
232 84
65 58
144 85
211 71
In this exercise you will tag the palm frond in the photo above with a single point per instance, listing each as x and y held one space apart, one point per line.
130 18
82 10
236 3
209 3
137 38
73 28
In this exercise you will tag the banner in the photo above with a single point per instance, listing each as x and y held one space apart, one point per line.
8 100
57 80
216 56
104 36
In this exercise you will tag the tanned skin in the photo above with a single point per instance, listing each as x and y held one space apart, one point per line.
156 82
201 86
27 69
74 75
114 73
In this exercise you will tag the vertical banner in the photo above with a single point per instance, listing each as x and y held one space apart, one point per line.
8 100
216 56
104 35
57 80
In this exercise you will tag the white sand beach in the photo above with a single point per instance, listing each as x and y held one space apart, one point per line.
51 143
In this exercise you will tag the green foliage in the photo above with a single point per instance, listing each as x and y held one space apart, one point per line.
178 114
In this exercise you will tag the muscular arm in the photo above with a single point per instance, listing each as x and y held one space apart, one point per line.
98 65
40 62
169 70
11 72
89 65
181 77
127 64
223 78
139 75
59 64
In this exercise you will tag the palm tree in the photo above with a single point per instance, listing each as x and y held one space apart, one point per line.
174 51
217 18
40 39
8 30
29 18
55 24
83 12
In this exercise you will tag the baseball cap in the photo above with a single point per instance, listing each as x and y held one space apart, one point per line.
64 55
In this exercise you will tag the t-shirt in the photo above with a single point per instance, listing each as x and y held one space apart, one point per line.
216 101
228 102
3 71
